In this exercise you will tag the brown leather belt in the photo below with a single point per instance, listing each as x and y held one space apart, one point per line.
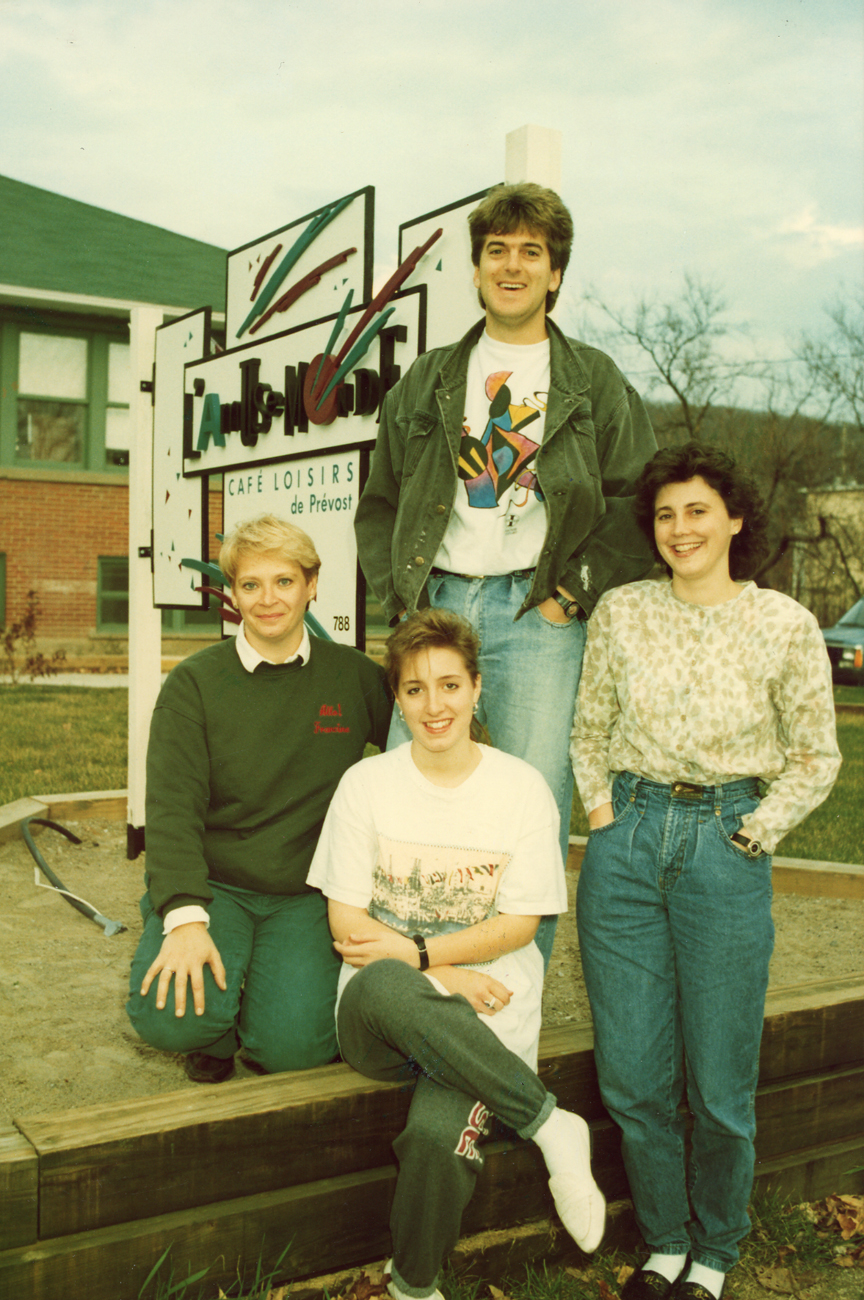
687 790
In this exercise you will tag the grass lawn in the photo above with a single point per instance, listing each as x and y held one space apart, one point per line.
849 694
60 739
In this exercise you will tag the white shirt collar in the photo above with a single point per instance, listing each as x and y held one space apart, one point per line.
250 658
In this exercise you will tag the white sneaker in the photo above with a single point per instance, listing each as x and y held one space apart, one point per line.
400 1295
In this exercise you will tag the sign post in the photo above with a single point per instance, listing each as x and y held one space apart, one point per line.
145 621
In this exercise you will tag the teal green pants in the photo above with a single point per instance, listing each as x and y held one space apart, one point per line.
281 972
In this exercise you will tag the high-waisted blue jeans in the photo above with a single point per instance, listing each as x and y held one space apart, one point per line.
530 670
676 935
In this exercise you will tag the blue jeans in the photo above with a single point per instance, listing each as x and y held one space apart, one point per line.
531 672
281 972
676 935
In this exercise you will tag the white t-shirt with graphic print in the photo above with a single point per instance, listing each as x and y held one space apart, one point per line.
428 859
498 523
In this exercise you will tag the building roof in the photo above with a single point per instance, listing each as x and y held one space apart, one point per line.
54 243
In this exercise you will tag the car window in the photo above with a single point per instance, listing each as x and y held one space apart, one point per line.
853 617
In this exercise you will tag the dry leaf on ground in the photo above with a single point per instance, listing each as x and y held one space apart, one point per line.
365 1288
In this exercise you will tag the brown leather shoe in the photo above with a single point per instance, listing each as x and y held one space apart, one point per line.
201 1068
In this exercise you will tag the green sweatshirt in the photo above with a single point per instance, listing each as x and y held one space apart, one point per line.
241 767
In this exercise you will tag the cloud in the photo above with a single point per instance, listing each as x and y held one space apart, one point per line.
809 241
691 128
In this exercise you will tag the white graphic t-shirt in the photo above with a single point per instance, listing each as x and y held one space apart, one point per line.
499 521
427 859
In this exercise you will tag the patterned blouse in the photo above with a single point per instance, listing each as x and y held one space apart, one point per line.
708 694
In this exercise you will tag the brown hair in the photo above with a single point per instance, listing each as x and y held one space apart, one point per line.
268 535
740 496
506 208
434 629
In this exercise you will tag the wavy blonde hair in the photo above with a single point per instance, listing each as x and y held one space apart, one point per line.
268 535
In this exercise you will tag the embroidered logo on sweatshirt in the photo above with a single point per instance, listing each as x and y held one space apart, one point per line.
329 720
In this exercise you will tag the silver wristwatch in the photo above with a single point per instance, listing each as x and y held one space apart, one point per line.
752 848
571 608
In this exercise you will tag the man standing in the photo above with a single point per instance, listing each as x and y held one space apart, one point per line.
501 485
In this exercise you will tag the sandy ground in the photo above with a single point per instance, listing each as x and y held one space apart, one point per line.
64 1037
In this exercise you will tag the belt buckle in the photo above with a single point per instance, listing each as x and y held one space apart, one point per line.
687 790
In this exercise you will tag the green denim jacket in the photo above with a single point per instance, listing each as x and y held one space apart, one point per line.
597 438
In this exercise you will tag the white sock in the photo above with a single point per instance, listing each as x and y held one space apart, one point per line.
398 1294
707 1277
566 1145
668 1266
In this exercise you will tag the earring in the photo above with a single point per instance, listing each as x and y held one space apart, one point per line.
476 705
401 714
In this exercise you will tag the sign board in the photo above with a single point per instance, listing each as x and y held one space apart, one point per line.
452 305
249 404
335 258
288 410
179 513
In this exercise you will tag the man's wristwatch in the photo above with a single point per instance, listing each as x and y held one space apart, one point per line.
571 608
752 848
421 948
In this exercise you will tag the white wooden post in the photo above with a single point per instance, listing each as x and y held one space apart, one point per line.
145 622
533 153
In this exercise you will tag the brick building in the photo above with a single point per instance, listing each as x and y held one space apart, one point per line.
70 274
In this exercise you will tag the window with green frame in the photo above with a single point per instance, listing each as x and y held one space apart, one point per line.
112 604
65 393
112 594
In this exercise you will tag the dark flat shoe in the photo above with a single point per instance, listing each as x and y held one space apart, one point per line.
647 1285
694 1291
201 1068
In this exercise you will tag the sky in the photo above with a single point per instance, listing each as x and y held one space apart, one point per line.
719 138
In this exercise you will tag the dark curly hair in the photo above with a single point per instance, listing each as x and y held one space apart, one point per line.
507 208
740 496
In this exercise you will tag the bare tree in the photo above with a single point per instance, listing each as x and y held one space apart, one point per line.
792 443
681 339
836 364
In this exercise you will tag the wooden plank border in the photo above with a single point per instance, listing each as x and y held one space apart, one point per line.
101 1165
19 1190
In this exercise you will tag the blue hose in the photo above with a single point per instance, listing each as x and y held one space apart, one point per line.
109 927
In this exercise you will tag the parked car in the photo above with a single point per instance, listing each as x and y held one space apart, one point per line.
845 643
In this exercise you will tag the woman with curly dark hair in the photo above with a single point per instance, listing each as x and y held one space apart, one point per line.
704 732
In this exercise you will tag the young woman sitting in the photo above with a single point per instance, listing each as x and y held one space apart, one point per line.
438 859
